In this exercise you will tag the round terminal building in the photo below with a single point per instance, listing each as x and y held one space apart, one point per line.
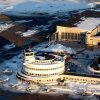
41 68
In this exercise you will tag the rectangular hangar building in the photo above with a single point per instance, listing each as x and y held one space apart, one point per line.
88 37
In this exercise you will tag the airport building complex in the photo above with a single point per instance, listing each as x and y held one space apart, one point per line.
49 69
88 37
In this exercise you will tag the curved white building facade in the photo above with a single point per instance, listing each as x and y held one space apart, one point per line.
44 70
37 68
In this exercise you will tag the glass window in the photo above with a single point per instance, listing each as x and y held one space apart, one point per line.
27 54
62 35
31 54
75 36
68 35
78 36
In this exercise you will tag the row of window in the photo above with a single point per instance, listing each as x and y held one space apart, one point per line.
83 80
36 81
37 69
28 54
32 74
73 79
43 61
50 80
73 36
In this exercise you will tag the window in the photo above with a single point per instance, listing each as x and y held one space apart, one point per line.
78 36
68 35
26 54
31 54
72 36
62 35
75 36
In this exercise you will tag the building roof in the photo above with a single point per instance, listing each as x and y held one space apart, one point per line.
82 75
97 37
89 24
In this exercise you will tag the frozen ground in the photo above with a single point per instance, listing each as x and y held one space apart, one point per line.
5 26
56 48
21 7
81 61
84 59
71 88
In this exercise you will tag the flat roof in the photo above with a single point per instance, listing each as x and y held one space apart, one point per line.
83 74
45 55
89 23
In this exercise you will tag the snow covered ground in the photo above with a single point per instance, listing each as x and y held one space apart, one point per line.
49 6
5 26
29 33
16 62
22 21
20 6
71 88
56 48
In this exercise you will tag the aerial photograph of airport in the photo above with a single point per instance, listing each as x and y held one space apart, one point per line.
49 49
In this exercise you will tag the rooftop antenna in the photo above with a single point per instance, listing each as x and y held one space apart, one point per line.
30 48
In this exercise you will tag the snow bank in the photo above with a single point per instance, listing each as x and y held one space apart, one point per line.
59 48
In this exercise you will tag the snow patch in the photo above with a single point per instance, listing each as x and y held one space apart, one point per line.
59 48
